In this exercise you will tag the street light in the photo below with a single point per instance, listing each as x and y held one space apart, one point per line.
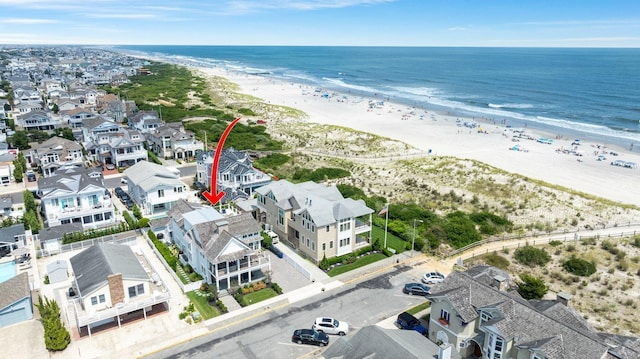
413 241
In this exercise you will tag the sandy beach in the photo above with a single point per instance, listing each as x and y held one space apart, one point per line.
444 135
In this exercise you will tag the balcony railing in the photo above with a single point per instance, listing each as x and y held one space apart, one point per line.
84 318
256 262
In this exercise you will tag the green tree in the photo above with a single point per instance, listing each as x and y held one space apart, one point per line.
20 140
17 173
30 221
65 133
56 336
531 287
579 266
55 108
136 212
29 201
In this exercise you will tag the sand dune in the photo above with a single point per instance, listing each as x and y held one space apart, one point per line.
443 134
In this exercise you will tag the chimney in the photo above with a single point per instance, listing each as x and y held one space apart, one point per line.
564 298
116 288
444 351
500 282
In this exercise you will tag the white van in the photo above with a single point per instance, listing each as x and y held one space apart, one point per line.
274 237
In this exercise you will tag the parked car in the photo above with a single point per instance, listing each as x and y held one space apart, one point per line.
310 336
123 180
433 278
118 191
129 204
274 237
199 186
407 321
110 166
124 197
71 292
330 326
31 176
416 289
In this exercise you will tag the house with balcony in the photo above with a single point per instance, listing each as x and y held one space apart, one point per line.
36 120
224 250
112 281
172 141
236 175
315 218
54 153
75 195
482 316
109 143
145 121
155 188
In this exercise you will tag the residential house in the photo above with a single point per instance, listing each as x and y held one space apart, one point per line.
154 188
145 121
225 251
6 207
236 175
377 342
74 195
6 168
50 239
109 143
173 141
110 282
54 153
480 314
11 238
315 218
15 300
36 120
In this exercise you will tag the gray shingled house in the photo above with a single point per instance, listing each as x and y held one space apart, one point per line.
225 251
483 317
110 281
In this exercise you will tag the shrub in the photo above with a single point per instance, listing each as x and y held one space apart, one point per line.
579 266
532 256
386 252
531 287
497 261
276 288
324 263
555 243
56 336
223 308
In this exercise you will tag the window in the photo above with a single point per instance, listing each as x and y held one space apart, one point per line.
345 242
136 290
330 244
94 300
101 298
160 193
281 217
313 246
485 317
444 315
307 242
97 217
345 225
324 247
495 346
327 230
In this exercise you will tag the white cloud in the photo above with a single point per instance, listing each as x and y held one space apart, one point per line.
28 21
122 16
458 28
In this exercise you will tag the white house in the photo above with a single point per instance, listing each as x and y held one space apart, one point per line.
54 153
173 141
225 251
75 195
154 188
111 281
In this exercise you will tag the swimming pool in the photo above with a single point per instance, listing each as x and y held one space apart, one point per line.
7 271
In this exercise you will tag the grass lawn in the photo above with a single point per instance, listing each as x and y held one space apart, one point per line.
418 308
259 296
203 307
393 241
361 262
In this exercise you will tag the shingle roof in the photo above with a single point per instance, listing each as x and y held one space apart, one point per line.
92 266
149 175
14 289
539 325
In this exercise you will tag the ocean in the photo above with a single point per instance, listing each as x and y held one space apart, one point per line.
584 92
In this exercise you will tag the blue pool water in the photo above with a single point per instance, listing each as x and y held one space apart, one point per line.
7 271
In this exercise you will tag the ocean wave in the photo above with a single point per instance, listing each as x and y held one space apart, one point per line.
588 128
511 105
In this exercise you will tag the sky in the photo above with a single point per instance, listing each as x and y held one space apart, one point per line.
521 23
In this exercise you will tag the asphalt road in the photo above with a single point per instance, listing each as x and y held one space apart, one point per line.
269 335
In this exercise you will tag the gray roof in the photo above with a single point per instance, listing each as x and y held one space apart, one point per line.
374 342
6 202
149 175
56 232
11 232
548 328
95 264
324 204
68 180
14 290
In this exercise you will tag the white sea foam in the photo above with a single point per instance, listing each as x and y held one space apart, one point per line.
511 105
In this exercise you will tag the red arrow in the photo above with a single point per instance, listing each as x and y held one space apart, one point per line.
214 196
